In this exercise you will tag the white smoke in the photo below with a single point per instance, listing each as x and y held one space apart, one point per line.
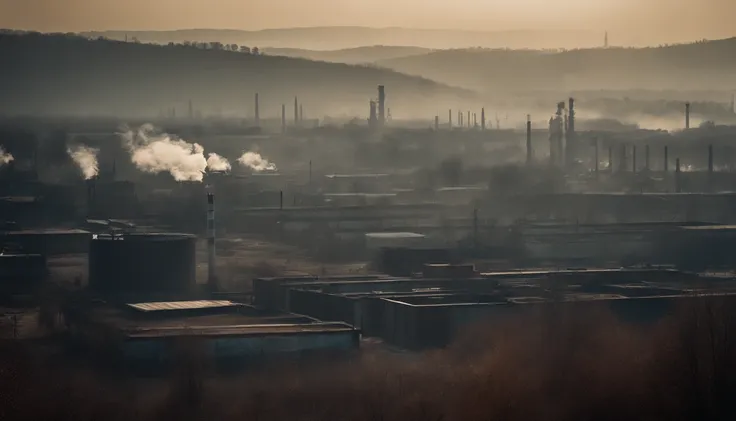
5 157
216 162
86 159
154 152
256 162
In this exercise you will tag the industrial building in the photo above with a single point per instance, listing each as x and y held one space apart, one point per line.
147 333
425 312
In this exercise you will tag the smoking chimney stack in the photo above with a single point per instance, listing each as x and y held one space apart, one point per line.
211 273
482 118
687 115
381 104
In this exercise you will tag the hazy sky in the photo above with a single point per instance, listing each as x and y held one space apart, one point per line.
658 19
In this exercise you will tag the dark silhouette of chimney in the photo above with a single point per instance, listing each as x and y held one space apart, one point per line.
283 118
529 152
482 118
296 111
666 159
381 104
258 115
687 115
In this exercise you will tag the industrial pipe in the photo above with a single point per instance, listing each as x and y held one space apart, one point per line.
211 272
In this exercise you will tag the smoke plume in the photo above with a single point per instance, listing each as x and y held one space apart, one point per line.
216 162
256 162
86 159
154 152
5 157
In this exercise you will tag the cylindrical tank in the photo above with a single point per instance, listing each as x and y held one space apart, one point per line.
142 263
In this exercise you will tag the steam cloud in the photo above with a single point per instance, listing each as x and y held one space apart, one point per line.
86 159
154 153
216 162
5 157
256 162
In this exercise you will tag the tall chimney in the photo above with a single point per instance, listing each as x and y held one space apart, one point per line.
482 118
678 187
597 159
283 118
450 118
687 115
633 159
296 111
666 159
468 118
258 115
211 270
381 104
529 153
372 119
475 120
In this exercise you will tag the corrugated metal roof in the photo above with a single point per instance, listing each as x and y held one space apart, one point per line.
182 305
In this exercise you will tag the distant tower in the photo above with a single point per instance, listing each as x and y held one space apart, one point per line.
482 118
605 40
372 119
687 115
283 118
381 104
258 116
296 111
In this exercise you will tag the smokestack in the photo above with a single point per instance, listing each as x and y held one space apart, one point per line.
468 118
475 120
633 159
296 111
666 159
372 119
436 123
450 118
381 104
646 158
597 165
678 188
529 153
211 273
283 118
687 115
710 166
482 118
258 115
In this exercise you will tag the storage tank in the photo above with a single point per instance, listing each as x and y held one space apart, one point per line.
142 263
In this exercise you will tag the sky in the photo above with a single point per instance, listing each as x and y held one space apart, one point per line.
656 20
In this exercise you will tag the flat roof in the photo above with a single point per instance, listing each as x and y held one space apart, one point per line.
50 231
240 330
182 305
394 235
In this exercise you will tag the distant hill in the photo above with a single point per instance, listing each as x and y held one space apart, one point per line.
358 55
701 65
343 37
51 74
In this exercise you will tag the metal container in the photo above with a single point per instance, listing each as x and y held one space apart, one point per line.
142 263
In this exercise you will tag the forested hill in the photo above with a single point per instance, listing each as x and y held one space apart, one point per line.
705 65
69 74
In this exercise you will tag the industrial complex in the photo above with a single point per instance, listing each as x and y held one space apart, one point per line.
452 225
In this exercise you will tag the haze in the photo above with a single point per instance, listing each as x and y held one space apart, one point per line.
630 22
